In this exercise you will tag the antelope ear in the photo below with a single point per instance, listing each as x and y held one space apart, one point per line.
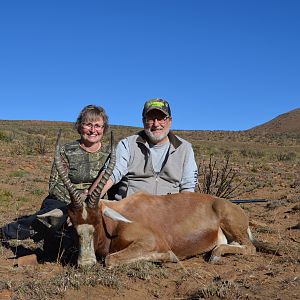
114 215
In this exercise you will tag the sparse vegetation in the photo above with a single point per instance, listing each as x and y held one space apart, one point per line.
18 173
5 195
23 199
220 180
290 156
265 166
37 192
252 153
4 136
218 289
74 278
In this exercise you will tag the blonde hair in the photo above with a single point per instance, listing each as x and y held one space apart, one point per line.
91 113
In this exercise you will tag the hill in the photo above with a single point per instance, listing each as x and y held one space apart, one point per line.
288 123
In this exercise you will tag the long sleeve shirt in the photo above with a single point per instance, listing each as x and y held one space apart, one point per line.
158 169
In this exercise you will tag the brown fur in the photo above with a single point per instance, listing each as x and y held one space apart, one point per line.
166 228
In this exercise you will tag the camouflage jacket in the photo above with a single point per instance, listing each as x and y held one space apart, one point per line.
82 167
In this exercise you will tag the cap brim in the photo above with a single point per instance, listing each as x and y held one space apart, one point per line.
157 108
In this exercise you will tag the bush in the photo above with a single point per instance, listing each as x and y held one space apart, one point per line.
221 181
38 192
5 195
252 153
3 136
6 136
286 156
19 173
30 145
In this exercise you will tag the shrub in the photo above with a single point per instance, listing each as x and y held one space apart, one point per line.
286 156
30 145
17 174
40 144
222 181
37 192
3 136
252 153
5 195
23 199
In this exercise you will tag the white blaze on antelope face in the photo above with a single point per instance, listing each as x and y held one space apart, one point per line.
84 212
87 255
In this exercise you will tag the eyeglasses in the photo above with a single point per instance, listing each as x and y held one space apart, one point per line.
160 120
90 126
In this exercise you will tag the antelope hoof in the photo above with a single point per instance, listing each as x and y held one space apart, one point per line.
86 263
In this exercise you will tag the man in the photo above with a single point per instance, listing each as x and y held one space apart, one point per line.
155 160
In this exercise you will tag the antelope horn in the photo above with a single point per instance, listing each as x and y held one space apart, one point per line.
96 194
74 194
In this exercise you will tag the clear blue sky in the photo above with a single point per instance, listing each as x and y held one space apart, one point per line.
222 64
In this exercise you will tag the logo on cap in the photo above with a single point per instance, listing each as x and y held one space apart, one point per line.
159 104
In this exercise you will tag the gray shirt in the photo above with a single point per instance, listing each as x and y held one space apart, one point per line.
156 169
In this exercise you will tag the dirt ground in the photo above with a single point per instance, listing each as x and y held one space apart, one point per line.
23 185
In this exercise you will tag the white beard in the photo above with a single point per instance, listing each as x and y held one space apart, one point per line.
156 138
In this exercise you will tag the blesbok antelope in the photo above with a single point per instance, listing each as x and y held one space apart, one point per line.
155 228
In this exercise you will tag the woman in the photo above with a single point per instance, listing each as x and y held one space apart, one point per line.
84 160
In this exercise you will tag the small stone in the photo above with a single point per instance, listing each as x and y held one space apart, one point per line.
28 260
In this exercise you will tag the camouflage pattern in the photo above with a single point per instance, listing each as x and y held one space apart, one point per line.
159 104
82 167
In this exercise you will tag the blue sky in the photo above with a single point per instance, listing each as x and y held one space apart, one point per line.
222 64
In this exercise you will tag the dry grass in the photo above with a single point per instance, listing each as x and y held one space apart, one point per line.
56 284
269 163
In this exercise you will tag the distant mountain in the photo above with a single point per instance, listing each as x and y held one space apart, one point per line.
286 123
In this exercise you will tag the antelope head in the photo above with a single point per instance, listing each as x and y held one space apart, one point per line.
83 209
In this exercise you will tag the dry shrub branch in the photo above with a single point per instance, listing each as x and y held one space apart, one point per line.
220 180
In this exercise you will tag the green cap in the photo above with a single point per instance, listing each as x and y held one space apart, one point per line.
159 104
